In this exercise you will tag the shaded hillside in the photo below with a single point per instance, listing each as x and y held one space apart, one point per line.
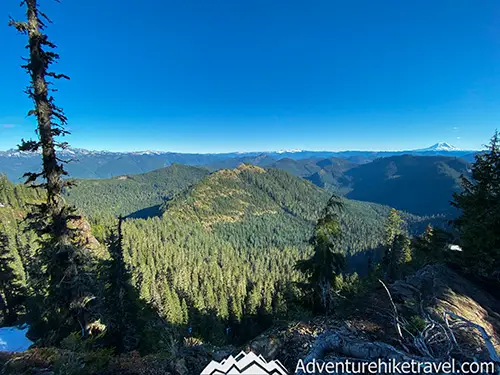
325 173
471 158
421 185
129 194
366 334
262 160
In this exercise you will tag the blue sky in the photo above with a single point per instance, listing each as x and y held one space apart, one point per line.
216 76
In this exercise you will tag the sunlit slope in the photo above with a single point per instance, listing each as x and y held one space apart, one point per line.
257 207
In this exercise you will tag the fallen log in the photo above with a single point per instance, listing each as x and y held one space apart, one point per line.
333 342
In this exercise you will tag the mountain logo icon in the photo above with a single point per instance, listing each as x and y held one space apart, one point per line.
245 364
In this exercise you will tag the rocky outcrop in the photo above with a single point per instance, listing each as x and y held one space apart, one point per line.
86 238
458 319
440 313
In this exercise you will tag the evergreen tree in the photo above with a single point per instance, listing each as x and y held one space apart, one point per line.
50 118
399 256
327 262
396 245
121 298
479 222
431 246
12 289
66 263
393 227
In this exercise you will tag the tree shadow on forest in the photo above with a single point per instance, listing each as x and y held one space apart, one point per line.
362 262
146 213
139 325
211 328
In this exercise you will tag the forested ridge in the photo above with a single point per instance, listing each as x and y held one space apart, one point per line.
127 194
270 202
256 207
422 185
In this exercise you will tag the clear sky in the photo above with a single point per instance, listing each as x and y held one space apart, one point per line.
216 76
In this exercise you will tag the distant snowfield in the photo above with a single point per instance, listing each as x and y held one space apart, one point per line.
13 339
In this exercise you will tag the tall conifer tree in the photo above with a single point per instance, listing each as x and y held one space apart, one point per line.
479 222
327 261
66 263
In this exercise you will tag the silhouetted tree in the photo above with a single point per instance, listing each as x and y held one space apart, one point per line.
121 298
479 222
432 245
327 262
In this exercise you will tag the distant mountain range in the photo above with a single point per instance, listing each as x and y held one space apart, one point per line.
420 181
105 164
417 184
422 185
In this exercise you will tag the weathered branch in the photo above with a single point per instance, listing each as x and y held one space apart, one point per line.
332 342
487 338
395 316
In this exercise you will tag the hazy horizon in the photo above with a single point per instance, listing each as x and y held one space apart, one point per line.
262 151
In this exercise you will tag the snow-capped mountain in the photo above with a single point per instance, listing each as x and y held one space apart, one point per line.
105 164
78 152
288 151
148 152
440 146
13 153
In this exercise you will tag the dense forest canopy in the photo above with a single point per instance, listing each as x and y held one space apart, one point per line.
233 230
